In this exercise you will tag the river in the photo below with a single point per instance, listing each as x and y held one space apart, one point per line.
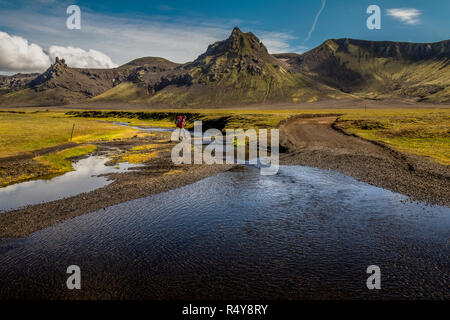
303 233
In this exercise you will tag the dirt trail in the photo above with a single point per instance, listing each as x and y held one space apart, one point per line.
316 142
317 134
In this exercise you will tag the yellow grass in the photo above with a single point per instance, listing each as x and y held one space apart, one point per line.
21 133
420 132
136 158
59 162
124 91
172 172
7 180
145 147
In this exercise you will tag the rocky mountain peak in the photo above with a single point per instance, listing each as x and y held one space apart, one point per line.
240 70
236 32
238 43
54 71
59 66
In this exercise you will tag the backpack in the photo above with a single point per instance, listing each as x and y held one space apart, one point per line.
179 121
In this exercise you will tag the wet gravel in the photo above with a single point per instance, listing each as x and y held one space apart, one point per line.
318 142
151 178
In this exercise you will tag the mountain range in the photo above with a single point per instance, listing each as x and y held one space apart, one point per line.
240 70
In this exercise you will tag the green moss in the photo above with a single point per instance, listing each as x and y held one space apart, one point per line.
59 162
125 91
421 132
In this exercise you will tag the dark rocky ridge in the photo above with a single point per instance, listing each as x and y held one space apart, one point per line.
383 68
240 70
15 82
242 51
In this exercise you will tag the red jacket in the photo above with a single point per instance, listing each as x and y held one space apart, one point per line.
180 122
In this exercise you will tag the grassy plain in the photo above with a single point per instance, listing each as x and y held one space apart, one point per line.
26 132
424 132
420 132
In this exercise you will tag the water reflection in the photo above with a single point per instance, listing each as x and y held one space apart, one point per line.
84 178
304 233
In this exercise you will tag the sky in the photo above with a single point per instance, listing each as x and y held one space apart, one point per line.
33 33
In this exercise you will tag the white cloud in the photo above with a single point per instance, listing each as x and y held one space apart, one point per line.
79 58
17 54
276 42
406 15
127 38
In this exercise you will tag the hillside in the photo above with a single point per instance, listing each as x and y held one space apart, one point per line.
15 82
60 84
239 70
378 70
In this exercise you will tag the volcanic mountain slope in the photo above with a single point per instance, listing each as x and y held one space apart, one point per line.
15 82
377 70
60 84
238 70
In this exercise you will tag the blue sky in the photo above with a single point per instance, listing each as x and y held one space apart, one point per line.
181 30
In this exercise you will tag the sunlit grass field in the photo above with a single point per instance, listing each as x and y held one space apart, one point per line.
424 132
420 132
26 132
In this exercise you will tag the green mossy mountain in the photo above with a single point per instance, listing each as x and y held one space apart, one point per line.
240 70
379 69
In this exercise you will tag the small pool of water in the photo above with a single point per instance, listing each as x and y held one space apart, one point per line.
85 178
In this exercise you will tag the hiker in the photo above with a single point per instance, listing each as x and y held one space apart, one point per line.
180 122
